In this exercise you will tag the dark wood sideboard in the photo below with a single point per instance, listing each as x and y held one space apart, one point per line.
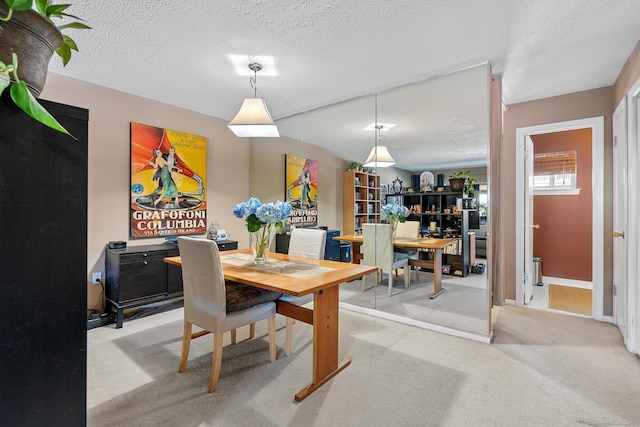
138 276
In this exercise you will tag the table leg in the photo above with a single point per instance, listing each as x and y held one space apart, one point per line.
356 256
437 273
325 341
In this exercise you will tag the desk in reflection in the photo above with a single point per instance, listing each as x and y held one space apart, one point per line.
413 243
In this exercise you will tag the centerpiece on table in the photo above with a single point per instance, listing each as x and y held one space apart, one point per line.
261 220
395 213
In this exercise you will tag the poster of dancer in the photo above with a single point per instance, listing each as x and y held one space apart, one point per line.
168 178
301 181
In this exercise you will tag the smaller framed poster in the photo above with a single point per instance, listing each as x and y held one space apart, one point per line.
301 185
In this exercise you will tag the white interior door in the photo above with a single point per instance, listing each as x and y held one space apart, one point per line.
528 220
620 207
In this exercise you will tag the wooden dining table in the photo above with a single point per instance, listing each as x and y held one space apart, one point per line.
412 243
298 276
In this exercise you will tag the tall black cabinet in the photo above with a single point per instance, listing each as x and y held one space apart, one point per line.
43 268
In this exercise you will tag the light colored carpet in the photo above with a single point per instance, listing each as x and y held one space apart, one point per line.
543 369
462 306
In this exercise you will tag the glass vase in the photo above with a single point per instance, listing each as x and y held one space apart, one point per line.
261 242
394 227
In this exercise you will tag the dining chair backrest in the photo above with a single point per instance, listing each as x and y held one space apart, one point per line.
377 245
307 242
409 229
203 283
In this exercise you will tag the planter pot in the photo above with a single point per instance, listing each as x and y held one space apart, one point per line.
457 184
34 38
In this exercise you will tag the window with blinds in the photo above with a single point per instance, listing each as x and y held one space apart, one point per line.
555 171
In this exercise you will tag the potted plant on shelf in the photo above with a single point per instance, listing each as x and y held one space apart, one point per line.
462 181
29 35
355 166
457 181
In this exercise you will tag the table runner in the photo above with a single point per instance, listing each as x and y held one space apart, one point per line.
288 268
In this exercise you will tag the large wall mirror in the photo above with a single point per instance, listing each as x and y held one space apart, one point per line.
439 125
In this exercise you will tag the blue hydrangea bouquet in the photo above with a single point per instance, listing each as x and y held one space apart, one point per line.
395 213
260 220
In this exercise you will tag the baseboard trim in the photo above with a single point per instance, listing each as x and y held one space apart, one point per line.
420 324
572 283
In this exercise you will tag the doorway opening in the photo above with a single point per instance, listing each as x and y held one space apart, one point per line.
524 209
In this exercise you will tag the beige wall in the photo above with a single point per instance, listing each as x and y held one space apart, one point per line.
110 113
580 105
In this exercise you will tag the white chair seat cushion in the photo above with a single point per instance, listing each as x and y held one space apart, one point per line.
411 253
255 313
296 300
398 256
399 263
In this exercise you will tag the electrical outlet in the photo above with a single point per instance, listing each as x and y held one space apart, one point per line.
97 277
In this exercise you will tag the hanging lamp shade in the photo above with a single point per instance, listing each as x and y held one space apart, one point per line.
253 120
379 157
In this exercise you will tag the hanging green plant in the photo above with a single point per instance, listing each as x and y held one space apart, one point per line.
19 91
24 99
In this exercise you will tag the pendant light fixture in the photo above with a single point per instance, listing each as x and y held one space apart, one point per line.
379 157
253 119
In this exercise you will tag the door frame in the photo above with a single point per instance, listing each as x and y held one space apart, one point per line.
620 219
528 221
633 203
597 182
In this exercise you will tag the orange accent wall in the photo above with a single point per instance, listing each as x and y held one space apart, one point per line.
564 238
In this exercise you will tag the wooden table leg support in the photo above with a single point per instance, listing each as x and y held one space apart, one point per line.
305 392
437 274
325 341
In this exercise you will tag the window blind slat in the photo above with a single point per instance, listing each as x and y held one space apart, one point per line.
555 163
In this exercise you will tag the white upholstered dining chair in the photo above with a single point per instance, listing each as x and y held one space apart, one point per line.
377 250
217 308
409 229
307 243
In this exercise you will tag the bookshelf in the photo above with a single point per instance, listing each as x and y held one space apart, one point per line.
361 200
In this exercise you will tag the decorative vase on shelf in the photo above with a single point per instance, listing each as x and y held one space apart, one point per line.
261 243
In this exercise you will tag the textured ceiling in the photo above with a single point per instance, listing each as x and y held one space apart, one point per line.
329 51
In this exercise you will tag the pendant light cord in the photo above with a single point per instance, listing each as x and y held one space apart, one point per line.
255 67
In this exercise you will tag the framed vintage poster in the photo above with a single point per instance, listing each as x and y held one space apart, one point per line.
301 183
168 179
